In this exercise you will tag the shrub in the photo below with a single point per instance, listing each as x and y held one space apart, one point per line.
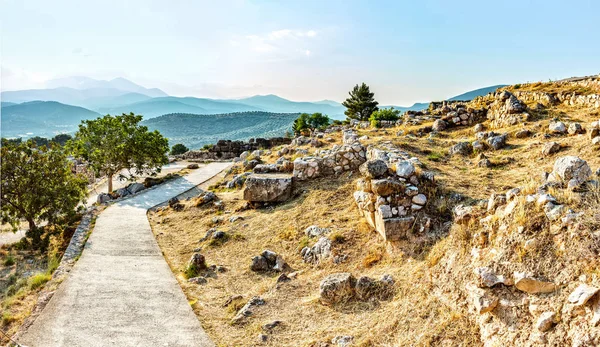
306 123
178 149
38 280
9 260
386 114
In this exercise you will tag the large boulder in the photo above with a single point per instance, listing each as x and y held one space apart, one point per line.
462 148
570 168
557 127
439 125
337 287
268 188
135 187
550 148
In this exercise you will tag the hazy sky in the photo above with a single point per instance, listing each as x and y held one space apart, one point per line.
408 51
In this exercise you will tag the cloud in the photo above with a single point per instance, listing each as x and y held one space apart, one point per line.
281 41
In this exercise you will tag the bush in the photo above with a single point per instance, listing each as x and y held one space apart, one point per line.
178 149
388 114
38 280
9 260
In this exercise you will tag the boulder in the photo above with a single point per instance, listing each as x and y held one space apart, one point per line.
373 168
318 252
550 148
557 127
268 188
135 188
439 125
514 105
385 186
570 168
575 128
103 198
478 128
497 142
193 166
462 148
337 288
259 264
122 192
521 134
197 261
314 231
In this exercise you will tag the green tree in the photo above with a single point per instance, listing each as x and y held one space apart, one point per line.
388 114
37 184
178 149
361 103
39 141
306 122
114 143
61 139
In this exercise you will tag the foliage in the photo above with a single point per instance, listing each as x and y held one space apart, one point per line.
39 141
114 143
178 149
306 122
361 103
61 139
195 130
37 184
386 114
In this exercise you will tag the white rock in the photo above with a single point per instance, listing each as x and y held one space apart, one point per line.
545 321
419 199
582 294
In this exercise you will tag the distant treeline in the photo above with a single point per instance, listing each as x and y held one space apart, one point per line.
60 139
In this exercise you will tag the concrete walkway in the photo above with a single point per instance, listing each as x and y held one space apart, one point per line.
122 292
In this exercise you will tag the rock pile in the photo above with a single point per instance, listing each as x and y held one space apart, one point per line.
227 149
347 157
388 193
506 109
342 287
268 261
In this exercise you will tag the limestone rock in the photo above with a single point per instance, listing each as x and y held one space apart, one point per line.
497 142
488 278
521 134
419 199
343 341
439 125
575 128
582 294
135 187
404 169
373 168
557 127
570 167
485 303
197 261
550 148
103 198
462 148
318 252
268 188
528 284
385 186
315 231
337 287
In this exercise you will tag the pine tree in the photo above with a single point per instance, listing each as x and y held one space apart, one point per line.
361 103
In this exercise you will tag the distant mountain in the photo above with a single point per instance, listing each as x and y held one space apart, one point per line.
4 104
274 103
475 93
195 131
159 106
328 102
415 107
122 84
42 118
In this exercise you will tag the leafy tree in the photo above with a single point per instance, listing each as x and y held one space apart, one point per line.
114 143
40 141
361 103
37 184
306 122
179 149
61 139
388 114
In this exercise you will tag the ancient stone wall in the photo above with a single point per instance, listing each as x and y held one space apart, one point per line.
227 149
570 99
348 156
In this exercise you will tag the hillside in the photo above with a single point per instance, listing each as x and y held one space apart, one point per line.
501 249
165 105
274 103
195 130
42 118
475 93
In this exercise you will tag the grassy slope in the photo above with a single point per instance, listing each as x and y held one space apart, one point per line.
428 306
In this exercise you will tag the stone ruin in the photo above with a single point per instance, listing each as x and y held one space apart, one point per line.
346 157
227 149
388 195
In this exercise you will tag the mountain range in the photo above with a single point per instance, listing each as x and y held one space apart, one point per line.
66 101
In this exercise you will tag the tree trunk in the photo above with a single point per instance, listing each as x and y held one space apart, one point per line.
32 225
110 186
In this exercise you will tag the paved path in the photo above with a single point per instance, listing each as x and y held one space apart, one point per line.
122 292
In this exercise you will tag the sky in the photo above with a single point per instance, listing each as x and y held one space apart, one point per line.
407 51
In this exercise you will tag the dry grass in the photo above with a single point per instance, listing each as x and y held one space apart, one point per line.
428 308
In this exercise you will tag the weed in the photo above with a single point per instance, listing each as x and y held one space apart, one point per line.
38 280
9 260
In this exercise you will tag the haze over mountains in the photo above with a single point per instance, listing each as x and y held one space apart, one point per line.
66 101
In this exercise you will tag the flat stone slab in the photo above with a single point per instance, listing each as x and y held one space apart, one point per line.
122 292
268 188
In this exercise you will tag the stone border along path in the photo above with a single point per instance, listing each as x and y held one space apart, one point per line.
122 292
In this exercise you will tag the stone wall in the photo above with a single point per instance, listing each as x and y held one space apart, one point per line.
346 157
227 149
388 194
569 99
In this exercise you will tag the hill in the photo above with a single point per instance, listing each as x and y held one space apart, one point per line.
122 84
274 103
475 93
155 107
42 118
195 131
